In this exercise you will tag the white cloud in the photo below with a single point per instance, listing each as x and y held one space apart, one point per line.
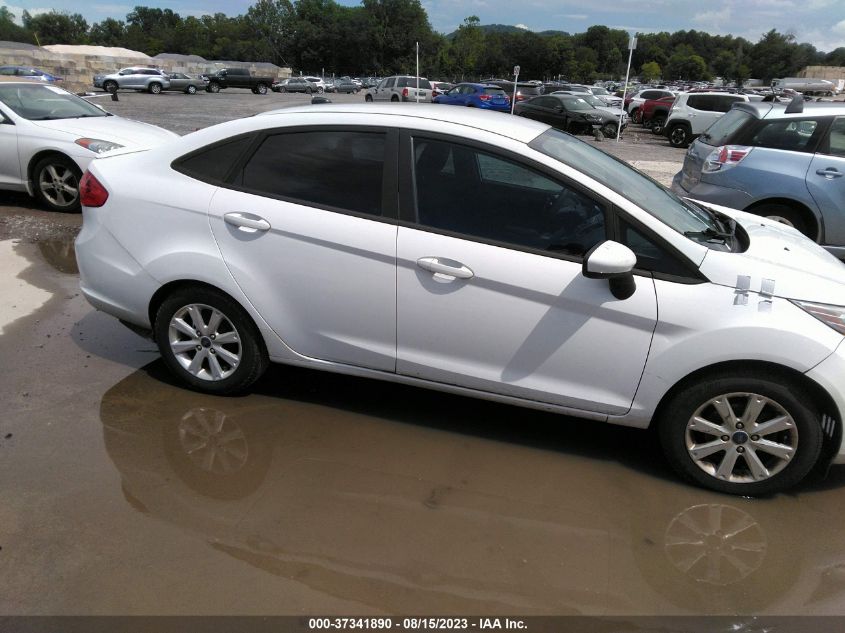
18 11
111 9
713 19
839 28
522 26
572 16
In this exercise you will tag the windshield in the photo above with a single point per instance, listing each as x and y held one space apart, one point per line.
576 103
686 218
599 91
38 102
593 101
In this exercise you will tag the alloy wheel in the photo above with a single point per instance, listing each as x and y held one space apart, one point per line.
741 437
205 342
59 185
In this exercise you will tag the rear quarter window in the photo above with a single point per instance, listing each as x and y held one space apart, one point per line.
786 134
727 129
212 164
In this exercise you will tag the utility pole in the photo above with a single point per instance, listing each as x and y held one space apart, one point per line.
632 44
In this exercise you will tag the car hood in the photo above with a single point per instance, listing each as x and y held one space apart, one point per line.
111 128
797 267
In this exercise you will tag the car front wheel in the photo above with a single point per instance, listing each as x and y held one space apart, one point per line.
110 86
262 89
191 90
155 88
56 180
657 124
742 434
209 341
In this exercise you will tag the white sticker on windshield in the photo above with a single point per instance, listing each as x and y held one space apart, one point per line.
58 91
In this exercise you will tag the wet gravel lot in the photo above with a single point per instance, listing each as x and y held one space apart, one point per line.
123 493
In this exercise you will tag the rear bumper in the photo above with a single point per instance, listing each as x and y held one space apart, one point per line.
724 196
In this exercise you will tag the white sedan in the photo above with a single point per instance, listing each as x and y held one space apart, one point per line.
48 136
483 255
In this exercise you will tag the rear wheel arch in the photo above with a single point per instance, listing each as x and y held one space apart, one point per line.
813 224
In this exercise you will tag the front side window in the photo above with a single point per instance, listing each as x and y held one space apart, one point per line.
337 169
391 82
478 194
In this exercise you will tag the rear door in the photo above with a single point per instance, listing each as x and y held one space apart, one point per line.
307 226
826 182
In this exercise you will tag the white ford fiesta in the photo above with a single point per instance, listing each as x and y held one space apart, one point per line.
478 254
48 136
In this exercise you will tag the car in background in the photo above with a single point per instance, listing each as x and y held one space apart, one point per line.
599 104
608 98
329 85
152 80
476 96
634 101
28 72
440 87
523 90
295 84
317 81
654 112
401 88
346 86
693 112
48 137
298 237
237 77
180 82
781 162
570 113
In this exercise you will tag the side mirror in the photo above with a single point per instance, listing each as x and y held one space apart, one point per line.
615 262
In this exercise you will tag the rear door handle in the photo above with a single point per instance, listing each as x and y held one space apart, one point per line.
446 267
829 172
247 222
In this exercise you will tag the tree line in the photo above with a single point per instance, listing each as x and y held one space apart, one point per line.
378 38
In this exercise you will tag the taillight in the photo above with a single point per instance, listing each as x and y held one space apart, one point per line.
91 191
404 92
484 97
725 157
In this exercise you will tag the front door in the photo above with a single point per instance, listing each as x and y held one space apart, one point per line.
10 164
826 179
308 231
490 294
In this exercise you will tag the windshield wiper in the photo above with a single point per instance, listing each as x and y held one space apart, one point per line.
710 234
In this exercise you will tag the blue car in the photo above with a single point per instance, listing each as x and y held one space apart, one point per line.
26 72
476 96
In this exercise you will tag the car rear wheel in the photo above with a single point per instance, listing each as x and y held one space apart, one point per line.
657 124
745 434
785 215
679 136
213 87
191 90
209 341
637 115
368 98
394 98
308 91
320 90
110 86
262 89
609 130
56 180
154 88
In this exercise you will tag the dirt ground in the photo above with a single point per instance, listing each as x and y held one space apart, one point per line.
123 493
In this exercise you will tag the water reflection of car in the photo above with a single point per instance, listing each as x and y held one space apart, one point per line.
472 95
50 136
425 516
180 82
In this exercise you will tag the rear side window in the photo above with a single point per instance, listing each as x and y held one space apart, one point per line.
494 91
341 170
725 129
785 134
836 140
411 82
726 102
212 164
706 103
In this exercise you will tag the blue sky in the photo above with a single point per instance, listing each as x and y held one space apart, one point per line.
820 22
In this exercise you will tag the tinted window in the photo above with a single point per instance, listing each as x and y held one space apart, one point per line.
464 190
726 102
702 102
7 71
411 82
651 94
213 164
390 82
494 91
725 128
336 169
237 71
787 134
836 141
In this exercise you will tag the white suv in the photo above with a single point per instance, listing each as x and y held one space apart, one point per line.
321 85
694 112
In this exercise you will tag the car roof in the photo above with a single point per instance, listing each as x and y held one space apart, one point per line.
517 128
777 110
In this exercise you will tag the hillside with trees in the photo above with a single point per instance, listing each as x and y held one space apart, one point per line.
378 36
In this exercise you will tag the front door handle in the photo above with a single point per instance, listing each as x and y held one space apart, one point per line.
446 267
829 172
247 222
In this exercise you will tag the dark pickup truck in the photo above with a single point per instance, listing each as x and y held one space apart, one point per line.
237 78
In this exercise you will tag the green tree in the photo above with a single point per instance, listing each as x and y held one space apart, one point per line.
272 22
686 64
468 46
56 27
11 31
650 71
109 32
724 65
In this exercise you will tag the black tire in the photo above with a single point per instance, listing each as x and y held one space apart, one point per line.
679 136
692 400
68 174
191 90
657 124
394 99
368 98
320 90
213 87
785 215
261 89
308 91
283 89
637 115
154 88
110 86
253 358
356 91
254 90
